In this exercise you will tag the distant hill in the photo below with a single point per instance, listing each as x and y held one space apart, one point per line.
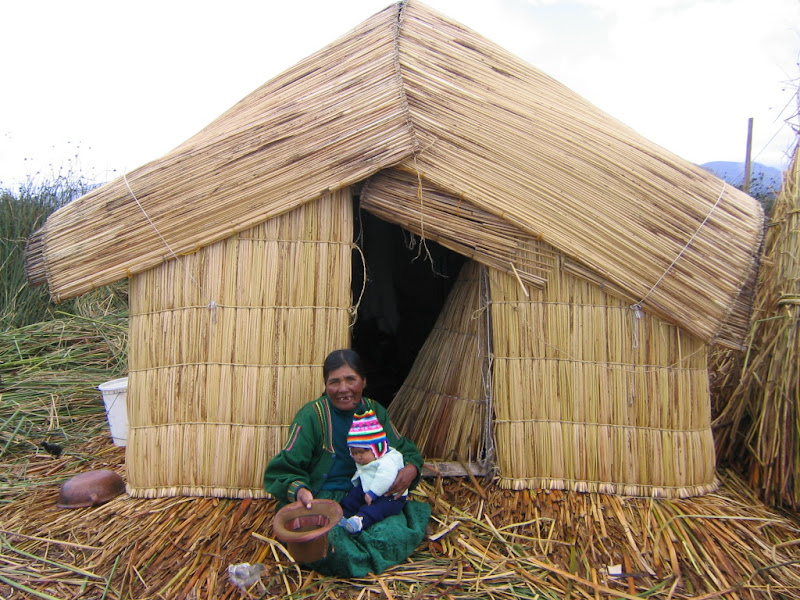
765 182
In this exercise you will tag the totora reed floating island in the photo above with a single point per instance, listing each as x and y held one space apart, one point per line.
537 290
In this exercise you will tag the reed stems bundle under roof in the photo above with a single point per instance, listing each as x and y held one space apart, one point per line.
764 405
227 344
410 87
404 198
443 404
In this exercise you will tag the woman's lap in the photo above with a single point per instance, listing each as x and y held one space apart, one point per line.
383 545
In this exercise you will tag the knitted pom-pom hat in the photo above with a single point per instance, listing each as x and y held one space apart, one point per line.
367 432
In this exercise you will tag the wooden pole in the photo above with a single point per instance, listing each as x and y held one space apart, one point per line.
746 183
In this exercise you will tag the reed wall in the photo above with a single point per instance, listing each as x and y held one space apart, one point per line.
227 343
590 395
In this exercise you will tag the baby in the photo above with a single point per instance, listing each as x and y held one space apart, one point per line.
376 468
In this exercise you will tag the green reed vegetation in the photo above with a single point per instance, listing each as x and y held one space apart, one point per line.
52 357
22 211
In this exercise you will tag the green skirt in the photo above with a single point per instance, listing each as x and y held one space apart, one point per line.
385 544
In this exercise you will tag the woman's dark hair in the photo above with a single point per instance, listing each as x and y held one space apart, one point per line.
341 358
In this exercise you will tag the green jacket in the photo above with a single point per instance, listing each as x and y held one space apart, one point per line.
308 453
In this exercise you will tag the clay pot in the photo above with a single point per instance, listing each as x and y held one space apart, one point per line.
305 531
90 488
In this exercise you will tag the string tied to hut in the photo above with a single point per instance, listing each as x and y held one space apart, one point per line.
212 304
637 307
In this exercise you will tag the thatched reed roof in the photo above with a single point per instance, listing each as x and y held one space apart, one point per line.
412 89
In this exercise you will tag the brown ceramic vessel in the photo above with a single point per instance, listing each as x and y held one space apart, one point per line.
90 488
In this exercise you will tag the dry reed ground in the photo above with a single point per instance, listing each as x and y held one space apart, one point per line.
483 542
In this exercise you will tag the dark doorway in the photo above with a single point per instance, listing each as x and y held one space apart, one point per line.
406 287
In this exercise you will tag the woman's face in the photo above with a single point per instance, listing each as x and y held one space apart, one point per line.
344 387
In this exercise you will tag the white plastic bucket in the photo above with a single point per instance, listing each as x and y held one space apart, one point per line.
115 397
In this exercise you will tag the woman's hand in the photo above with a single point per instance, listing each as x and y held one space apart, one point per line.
305 496
405 477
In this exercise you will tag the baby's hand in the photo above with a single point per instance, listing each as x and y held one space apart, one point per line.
367 498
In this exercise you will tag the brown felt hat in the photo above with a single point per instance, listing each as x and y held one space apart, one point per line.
304 530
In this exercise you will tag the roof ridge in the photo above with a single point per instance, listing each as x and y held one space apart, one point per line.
401 86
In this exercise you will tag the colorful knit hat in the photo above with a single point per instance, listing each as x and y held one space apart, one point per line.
367 432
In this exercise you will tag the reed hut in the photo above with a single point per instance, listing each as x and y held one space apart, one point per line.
534 284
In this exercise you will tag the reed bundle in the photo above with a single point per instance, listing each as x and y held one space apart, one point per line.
592 395
226 346
406 199
443 402
759 426
326 123
483 542
409 87
518 144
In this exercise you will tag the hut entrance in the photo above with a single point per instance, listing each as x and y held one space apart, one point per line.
407 283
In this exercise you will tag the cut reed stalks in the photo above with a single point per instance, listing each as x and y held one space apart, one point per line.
759 428
506 545
49 373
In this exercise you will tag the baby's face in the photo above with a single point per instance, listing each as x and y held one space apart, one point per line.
362 456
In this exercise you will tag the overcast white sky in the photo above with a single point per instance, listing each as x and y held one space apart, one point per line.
119 83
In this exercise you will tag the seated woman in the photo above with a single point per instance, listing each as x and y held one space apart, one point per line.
316 463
